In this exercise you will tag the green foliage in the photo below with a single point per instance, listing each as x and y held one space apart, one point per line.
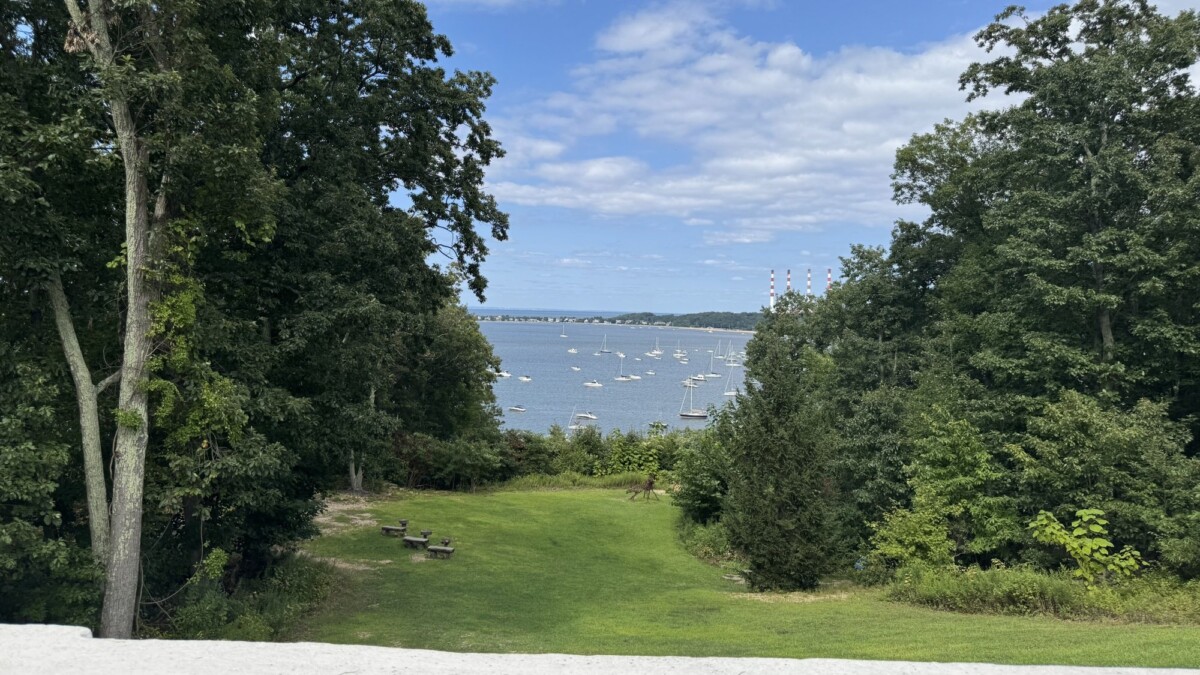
779 509
956 476
629 453
571 479
702 474
1080 453
1025 591
1087 543
45 575
910 539
264 609
709 542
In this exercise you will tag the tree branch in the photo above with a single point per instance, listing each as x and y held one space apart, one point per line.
108 381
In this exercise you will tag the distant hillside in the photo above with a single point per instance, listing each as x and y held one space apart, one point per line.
725 320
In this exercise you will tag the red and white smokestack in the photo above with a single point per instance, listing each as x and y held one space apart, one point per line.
828 278
809 289
789 281
772 306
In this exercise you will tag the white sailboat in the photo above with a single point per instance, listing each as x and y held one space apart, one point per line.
604 346
712 374
621 376
729 390
563 334
688 410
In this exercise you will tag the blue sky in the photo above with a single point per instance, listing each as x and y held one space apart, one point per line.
665 156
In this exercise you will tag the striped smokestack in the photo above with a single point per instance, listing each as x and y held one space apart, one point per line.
772 305
828 278
808 290
789 281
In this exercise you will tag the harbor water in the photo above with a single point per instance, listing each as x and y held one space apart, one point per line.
554 393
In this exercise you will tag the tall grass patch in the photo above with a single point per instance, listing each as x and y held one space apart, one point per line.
1153 598
573 479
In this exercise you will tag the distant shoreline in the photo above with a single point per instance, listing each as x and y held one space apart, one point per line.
523 319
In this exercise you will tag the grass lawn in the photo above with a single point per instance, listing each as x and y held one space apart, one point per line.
590 572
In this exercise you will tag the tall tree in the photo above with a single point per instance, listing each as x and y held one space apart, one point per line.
780 504
157 65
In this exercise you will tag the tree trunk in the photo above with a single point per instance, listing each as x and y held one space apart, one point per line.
356 477
120 596
1106 335
86 394
129 450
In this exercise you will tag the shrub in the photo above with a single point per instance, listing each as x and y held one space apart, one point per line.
709 543
573 479
1088 545
702 474
1154 598
906 538
263 609
629 454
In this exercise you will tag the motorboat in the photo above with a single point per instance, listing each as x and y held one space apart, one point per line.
517 408
592 383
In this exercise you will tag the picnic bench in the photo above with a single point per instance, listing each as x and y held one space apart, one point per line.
440 551
393 531
416 542
443 551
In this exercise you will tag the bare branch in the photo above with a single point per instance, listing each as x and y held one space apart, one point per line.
108 381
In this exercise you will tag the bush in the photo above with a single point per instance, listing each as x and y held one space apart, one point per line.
449 465
907 538
523 453
573 479
709 543
702 473
1022 590
629 454
263 609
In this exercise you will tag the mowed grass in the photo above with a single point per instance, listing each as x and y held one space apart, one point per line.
590 572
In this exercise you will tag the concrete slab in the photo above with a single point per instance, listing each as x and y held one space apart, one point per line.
69 650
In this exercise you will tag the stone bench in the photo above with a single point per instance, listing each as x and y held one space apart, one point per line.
416 542
440 551
393 531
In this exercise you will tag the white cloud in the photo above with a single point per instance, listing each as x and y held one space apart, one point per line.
488 4
573 262
772 138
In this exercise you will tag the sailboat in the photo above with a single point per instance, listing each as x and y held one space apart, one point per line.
729 390
621 376
712 374
563 334
604 346
688 410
